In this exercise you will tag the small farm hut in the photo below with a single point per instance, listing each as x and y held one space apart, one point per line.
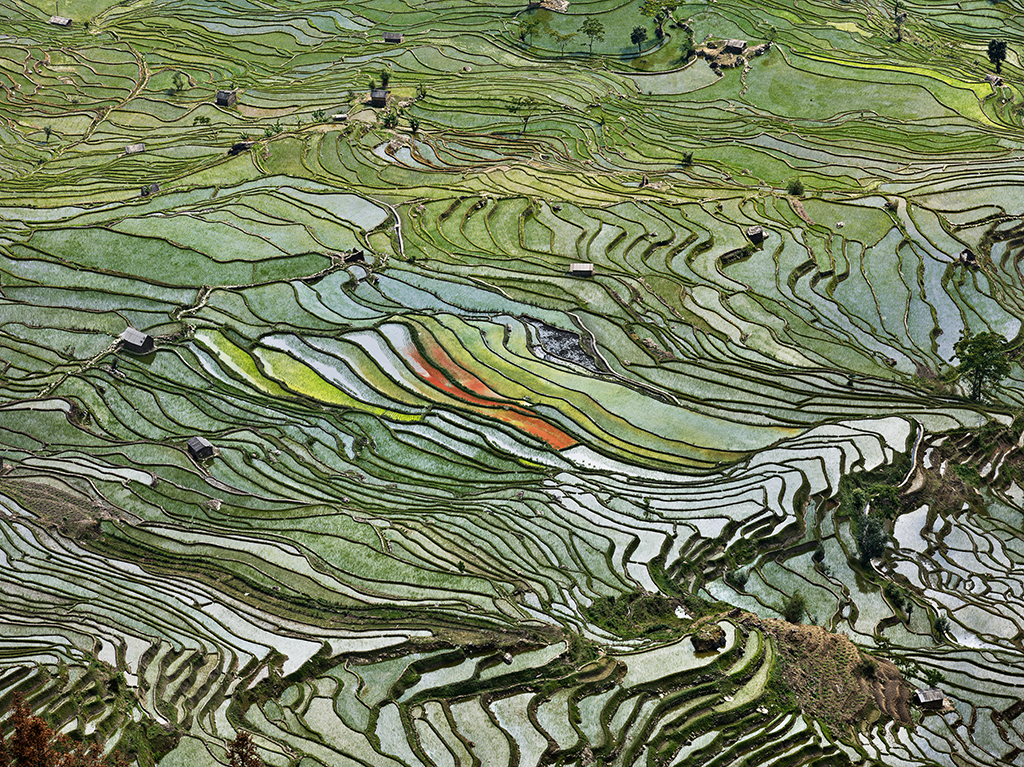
735 47
355 257
755 234
240 146
60 21
227 98
199 448
393 37
150 189
135 149
581 270
378 97
929 698
136 342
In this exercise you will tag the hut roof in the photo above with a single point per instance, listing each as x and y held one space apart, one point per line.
134 148
134 337
378 93
199 448
392 37
60 21
581 268
735 45
931 695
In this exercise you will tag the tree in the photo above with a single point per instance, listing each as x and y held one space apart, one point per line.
385 77
637 36
242 751
47 131
593 29
33 743
525 106
794 607
659 10
997 53
179 82
983 361
871 538
527 28
562 38
898 18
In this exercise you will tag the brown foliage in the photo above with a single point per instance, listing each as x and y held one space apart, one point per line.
33 743
242 751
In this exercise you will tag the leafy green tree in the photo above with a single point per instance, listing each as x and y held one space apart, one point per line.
871 538
385 77
795 187
898 17
983 361
794 608
179 82
562 38
637 36
524 106
997 53
593 29
659 10
527 28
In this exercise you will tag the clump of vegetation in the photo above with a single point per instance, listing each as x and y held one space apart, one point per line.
869 532
867 668
33 743
795 187
737 578
984 362
242 751
794 607
635 615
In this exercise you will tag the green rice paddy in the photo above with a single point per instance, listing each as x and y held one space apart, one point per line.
447 469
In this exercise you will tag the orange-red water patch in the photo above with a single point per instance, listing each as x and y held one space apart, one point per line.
449 377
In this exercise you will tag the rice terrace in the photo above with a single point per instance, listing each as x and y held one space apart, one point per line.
412 383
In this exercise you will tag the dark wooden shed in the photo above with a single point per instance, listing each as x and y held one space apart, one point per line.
393 37
378 97
581 270
929 698
227 98
199 448
136 342
755 234
735 47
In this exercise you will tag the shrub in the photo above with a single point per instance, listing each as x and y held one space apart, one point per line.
795 187
793 609
867 668
736 578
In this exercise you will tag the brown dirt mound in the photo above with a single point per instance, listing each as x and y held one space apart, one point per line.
832 679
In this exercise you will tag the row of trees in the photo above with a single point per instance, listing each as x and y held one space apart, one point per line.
658 10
